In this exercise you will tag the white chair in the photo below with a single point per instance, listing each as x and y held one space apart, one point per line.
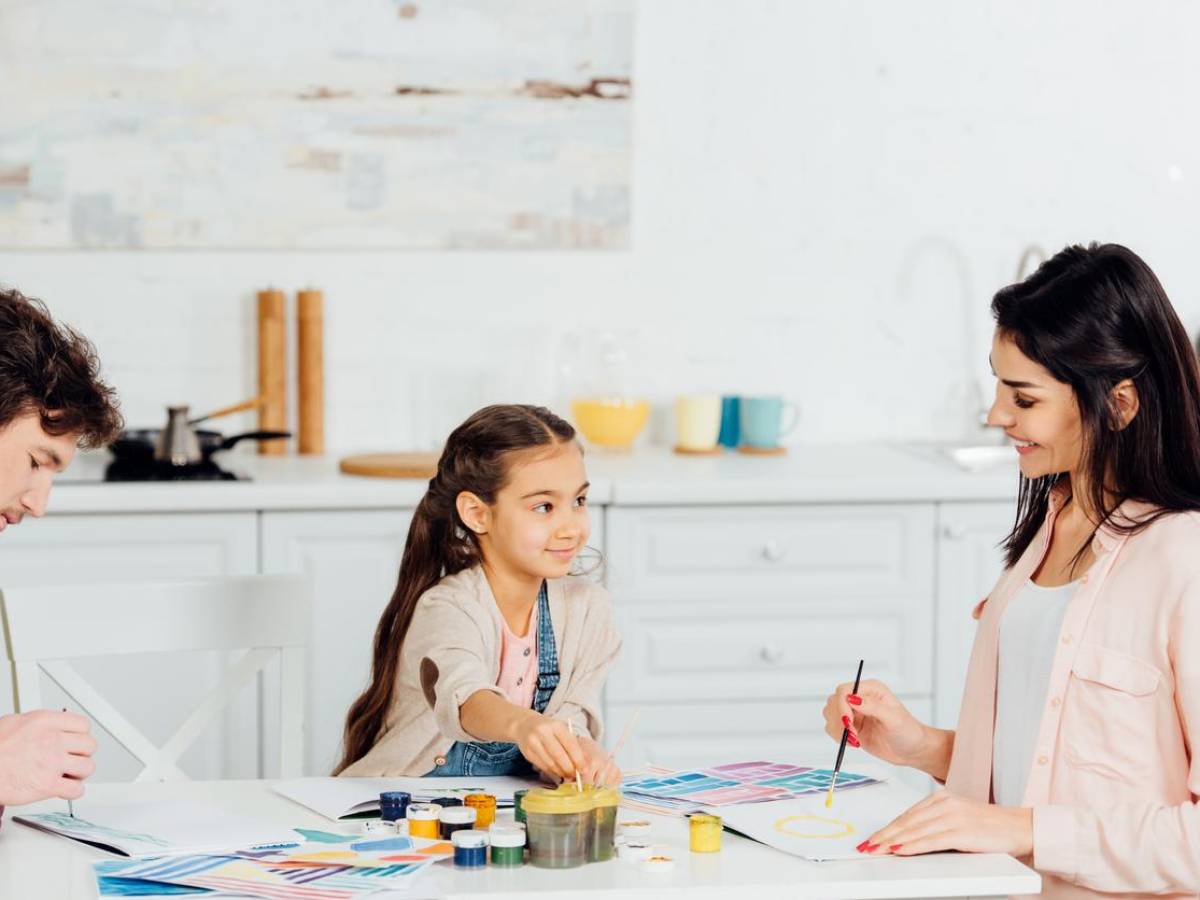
267 616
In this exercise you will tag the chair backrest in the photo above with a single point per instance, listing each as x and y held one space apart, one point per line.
265 615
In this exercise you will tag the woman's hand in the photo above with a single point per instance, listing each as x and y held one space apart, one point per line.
600 768
945 821
884 727
549 745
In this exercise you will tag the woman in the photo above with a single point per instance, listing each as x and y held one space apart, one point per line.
1081 710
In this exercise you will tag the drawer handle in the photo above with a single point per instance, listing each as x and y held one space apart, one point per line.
771 551
771 653
954 532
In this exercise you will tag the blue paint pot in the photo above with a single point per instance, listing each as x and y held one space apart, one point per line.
393 805
470 848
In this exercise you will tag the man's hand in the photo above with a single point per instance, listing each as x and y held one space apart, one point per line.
44 754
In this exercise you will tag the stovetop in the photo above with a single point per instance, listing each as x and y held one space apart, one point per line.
131 470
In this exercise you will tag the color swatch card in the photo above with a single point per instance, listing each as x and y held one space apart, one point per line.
734 783
324 866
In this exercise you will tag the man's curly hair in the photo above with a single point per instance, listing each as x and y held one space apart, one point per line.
52 370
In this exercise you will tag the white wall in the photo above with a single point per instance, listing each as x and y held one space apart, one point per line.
825 198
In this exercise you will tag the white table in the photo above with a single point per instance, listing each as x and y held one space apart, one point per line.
34 865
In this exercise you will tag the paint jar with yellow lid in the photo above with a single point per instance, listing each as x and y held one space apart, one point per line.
602 842
558 827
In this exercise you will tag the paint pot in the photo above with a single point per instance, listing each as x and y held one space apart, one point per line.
423 820
378 826
456 818
518 805
393 805
602 841
558 823
659 864
508 844
485 809
634 851
470 848
636 830
446 802
705 833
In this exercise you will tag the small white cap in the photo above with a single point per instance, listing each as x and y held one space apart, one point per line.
658 863
378 826
469 837
631 851
502 835
459 815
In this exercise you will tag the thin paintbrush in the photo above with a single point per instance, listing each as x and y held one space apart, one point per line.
578 777
837 766
612 754
70 802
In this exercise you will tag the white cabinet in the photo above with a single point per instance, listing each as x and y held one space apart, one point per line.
153 692
353 558
969 560
738 621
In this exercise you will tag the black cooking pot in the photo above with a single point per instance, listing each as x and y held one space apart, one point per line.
137 444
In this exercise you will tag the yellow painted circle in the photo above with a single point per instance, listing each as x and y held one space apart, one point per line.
826 828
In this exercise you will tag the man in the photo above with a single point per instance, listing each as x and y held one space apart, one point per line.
51 402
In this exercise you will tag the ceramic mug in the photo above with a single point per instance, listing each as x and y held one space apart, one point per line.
763 420
697 421
730 423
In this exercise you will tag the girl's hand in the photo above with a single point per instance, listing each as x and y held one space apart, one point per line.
878 722
945 821
600 768
549 745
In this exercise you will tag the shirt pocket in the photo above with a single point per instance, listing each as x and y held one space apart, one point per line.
1109 718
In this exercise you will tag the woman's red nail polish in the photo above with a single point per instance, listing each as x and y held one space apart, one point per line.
895 847
871 848
863 846
846 722
854 699
852 740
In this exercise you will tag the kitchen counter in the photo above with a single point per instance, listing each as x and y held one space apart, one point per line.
835 473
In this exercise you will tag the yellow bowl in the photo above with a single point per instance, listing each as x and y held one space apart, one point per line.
610 422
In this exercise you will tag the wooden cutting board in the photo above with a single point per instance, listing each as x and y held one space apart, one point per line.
391 465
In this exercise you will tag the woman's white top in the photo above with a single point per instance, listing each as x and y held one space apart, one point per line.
1028 641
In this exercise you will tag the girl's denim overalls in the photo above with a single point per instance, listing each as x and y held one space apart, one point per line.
499 757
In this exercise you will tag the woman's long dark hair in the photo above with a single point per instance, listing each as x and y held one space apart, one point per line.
475 459
1093 317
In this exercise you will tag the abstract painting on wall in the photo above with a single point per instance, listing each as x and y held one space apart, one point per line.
408 124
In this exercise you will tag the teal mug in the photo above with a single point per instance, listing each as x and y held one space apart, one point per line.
763 420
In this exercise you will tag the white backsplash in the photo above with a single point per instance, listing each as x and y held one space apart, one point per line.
825 198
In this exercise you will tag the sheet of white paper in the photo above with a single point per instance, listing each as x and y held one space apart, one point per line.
160 827
337 798
804 827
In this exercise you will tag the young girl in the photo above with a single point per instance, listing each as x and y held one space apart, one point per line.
489 660
1081 711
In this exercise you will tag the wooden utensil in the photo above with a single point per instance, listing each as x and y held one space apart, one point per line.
253 403
310 345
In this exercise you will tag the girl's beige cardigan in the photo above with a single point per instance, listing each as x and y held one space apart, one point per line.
452 650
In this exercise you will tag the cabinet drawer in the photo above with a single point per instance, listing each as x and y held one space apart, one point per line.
770 650
680 736
714 553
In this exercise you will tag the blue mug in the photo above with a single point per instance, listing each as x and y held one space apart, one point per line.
762 420
730 424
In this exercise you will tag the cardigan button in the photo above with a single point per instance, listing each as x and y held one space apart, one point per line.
1042 760
1066 639
1055 703
440 761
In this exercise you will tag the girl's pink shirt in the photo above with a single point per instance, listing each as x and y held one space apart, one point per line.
1113 781
519 662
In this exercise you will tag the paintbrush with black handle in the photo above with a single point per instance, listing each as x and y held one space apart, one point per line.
837 766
